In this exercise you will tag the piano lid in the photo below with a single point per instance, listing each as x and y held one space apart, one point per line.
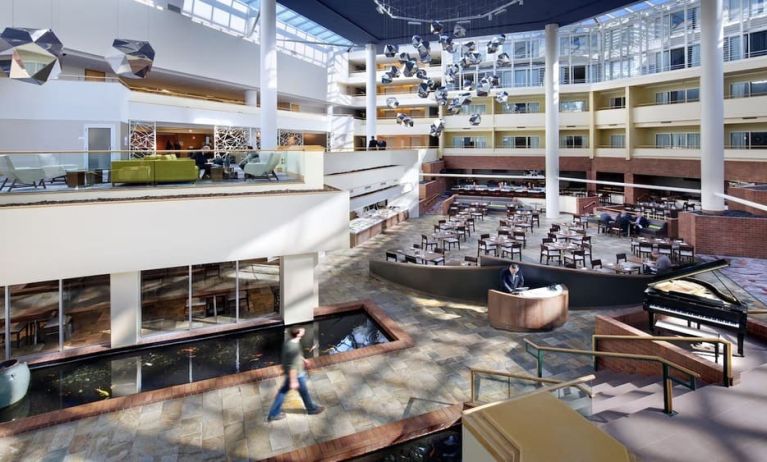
691 270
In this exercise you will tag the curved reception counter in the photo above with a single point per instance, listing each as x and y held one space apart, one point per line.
540 309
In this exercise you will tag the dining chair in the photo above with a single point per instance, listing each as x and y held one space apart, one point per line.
596 263
620 257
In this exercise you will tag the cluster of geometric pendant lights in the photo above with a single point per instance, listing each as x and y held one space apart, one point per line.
469 57
32 55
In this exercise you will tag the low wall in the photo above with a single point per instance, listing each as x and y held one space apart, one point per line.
620 325
722 235
753 194
586 205
447 203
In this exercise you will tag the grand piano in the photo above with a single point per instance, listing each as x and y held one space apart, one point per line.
679 295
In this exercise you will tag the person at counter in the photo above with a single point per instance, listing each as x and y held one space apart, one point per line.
511 279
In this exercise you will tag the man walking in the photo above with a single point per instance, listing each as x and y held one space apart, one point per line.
293 363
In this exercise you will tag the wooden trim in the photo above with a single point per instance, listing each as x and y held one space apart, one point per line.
399 340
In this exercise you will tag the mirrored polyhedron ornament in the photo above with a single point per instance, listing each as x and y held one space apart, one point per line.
464 98
437 27
483 87
503 59
133 58
459 31
495 81
393 72
502 97
390 50
409 69
421 74
425 57
447 43
392 103
475 119
416 41
469 46
386 78
468 85
436 127
404 57
30 55
404 119
440 96
454 108
423 90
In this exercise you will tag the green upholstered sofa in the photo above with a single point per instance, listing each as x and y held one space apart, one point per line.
154 170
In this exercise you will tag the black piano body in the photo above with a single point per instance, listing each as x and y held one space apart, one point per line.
679 295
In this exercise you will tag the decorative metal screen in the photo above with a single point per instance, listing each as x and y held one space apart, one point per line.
290 138
228 139
143 138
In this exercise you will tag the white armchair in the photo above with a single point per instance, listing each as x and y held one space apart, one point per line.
52 168
264 169
27 176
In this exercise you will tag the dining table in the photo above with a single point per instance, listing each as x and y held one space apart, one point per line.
424 255
623 267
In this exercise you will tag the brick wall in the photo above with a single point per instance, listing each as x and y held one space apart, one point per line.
729 236
586 205
619 325
749 194
433 167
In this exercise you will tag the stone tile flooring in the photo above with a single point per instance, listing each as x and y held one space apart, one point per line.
230 423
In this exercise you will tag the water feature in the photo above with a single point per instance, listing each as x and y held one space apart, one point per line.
95 378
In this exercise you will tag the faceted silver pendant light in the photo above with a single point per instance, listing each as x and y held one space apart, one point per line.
132 60
437 27
30 55
464 98
475 119
447 43
390 50
502 97
454 107
459 31
404 119
409 69
495 81
392 103
440 96
483 87
503 59
436 127
423 90
468 85
468 47
421 74
386 78
404 57
393 72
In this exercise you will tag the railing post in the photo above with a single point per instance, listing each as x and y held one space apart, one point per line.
473 387
595 348
540 363
668 391
726 364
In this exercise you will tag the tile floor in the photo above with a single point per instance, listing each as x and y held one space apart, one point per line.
450 337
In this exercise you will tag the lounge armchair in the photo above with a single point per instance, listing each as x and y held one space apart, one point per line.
26 176
53 170
264 169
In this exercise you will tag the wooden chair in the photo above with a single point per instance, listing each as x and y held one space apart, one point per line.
483 245
503 223
549 254
441 259
596 263
620 257
645 249
417 246
503 232
470 225
425 242
450 242
392 256
462 232
411 259
535 218
586 247
634 246
576 257
665 249
520 238
472 261
513 248
685 253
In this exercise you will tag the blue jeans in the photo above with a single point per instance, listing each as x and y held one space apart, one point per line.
302 390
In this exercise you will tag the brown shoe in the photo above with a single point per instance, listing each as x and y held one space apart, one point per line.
317 410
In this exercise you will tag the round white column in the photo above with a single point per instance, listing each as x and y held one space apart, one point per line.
251 98
370 92
551 93
268 74
711 105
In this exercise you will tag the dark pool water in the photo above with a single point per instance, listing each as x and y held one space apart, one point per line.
102 377
443 446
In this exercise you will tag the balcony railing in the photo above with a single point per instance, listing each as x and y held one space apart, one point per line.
68 171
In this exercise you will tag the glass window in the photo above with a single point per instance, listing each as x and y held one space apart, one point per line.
617 102
617 141
213 294
758 88
259 282
663 140
521 49
164 300
758 140
676 21
757 43
34 325
693 140
739 89
2 314
572 106
693 94
520 77
739 140
86 303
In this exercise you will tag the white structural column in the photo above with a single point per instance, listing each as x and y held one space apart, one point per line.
299 290
125 308
370 92
712 105
251 98
268 74
551 93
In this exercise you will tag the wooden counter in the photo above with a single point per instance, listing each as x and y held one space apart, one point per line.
533 310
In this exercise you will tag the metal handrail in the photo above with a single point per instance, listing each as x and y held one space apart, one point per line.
668 380
518 376
727 377
545 389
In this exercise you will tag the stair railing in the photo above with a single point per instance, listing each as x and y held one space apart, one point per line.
727 378
517 376
666 365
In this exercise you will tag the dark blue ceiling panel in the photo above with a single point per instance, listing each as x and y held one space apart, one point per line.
358 20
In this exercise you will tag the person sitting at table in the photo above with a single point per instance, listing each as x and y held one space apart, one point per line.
662 263
604 221
640 223
511 279
624 221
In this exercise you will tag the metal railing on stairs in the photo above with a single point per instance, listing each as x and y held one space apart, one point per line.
666 365
727 378
476 373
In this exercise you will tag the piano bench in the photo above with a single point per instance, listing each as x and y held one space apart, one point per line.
688 332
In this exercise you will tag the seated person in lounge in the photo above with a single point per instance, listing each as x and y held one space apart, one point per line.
604 220
662 263
624 221
511 279
640 223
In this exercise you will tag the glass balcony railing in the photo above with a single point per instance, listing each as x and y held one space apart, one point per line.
72 170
